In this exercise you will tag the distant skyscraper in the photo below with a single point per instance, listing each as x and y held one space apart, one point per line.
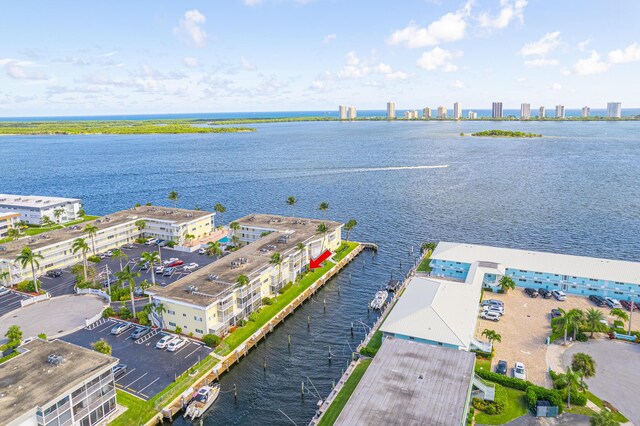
411 115
541 113
391 110
472 115
352 113
585 111
442 112
342 109
457 111
426 112
614 110
496 110
559 111
525 111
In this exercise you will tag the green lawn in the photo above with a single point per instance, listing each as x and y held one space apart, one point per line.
267 312
483 364
619 417
345 248
515 408
424 265
576 409
139 411
8 357
343 396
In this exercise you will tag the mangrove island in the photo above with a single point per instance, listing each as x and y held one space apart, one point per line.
506 134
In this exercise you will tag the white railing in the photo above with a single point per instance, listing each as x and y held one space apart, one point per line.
34 299
488 389
483 346
93 291
89 321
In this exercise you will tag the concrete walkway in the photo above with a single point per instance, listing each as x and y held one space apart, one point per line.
54 317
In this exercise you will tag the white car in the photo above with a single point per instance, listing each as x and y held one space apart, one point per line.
613 303
171 260
159 269
176 344
559 295
190 267
202 251
164 342
489 315
149 241
494 308
519 372
108 253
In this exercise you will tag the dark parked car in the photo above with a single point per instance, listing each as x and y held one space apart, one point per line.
531 292
546 294
54 273
555 313
119 371
598 300
501 368
627 305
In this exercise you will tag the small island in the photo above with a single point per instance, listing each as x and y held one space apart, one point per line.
506 134
114 127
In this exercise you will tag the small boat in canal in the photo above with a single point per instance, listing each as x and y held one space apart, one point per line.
202 400
379 300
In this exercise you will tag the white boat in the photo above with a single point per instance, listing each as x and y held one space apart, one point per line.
379 300
202 400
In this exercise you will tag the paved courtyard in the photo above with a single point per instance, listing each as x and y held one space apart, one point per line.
617 373
54 317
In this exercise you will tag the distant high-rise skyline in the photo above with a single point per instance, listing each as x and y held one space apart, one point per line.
585 111
351 113
541 112
426 112
457 111
442 112
472 115
342 112
525 111
391 110
614 109
560 111
496 110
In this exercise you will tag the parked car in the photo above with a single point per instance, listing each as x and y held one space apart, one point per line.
175 263
168 272
164 342
140 331
119 371
4 290
555 313
501 368
144 266
491 316
102 255
108 253
176 344
497 309
613 303
149 241
559 295
138 291
627 305
598 300
519 372
54 273
190 267
159 269
121 328
202 251
170 260
158 242
128 246
531 292
544 293
163 243
488 302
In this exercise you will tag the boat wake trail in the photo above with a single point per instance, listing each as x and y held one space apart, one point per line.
384 169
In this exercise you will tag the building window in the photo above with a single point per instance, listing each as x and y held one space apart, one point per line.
170 312
199 331
172 324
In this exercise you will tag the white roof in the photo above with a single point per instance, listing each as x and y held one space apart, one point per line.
436 310
37 201
535 261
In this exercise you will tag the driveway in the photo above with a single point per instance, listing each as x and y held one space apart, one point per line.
617 373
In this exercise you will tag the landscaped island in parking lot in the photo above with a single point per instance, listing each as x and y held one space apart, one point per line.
115 127
506 134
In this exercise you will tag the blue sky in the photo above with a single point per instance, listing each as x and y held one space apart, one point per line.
87 58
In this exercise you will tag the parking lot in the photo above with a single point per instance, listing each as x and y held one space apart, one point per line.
149 370
525 327
10 301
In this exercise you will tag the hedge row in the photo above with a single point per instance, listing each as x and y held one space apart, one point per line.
497 406
534 393
509 382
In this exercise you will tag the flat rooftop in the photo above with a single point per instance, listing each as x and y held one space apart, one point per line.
34 201
28 380
4 216
411 383
178 216
257 257
553 263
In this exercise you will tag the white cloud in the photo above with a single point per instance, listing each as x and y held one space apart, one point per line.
109 54
252 2
508 11
438 59
582 46
546 44
449 27
630 54
329 38
521 79
541 62
5 61
17 70
590 65
246 65
190 28
191 62
457 85
556 86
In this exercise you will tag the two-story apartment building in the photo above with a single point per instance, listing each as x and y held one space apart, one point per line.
209 300
57 383
8 221
32 208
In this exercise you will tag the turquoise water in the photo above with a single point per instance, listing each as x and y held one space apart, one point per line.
577 190
223 240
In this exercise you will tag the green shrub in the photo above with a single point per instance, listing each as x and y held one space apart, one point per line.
618 323
367 351
285 288
171 244
253 316
509 382
241 322
577 398
536 393
178 330
140 240
497 406
267 301
211 340
94 259
108 312
27 286
143 318
42 336
581 337
125 313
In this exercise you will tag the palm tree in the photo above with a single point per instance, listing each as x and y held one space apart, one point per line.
213 248
140 224
324 206
29 257
152 258
189 237
4 276
291 202
593 321
127 276
322 229
429 246
492 335
572 379
301 248
349 227
234 238
174 196
57 213
604 418
276 260
91 231
219 208
160 309
119 254
620 314
569 320
506 284
13 233
47 222
80 245
242 280
585 364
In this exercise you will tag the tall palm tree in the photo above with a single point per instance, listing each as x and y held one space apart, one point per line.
349 227
620 314
4 276
506 284
13 233
47 222
322 229
152 258
140 224
29 257
127 276
160 309
234 226
57 213
242 280
276 260
221 210
428 246
492 335
324 206
301 248
174 196
189 237
291 202
585 364
91 231
80 245
119 254
573 381
593 321
214 249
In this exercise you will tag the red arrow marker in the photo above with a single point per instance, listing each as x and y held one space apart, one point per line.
317 262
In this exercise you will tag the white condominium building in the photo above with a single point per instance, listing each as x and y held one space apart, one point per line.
342 111
352 114
472 115
559 111
426 112
614 110
411 115
32 208
8 221
496 110
457 111
586 111
525 111
442 112
541 112
391 110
